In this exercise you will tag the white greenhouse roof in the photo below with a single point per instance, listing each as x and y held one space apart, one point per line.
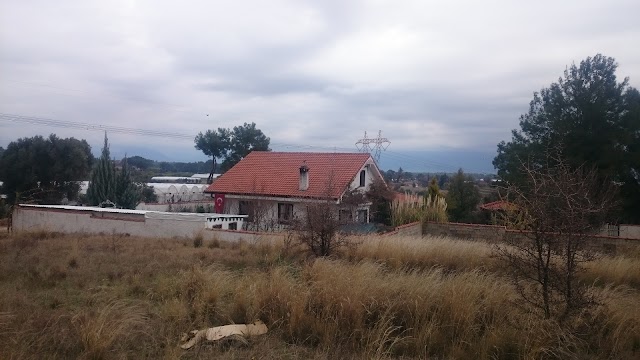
204 176
165 188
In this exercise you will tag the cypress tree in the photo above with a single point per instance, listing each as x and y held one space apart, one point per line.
127 192
103 178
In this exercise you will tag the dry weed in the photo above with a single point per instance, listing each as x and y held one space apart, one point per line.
117 324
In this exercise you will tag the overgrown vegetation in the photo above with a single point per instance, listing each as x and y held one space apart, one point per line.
126 297
555 210
409 208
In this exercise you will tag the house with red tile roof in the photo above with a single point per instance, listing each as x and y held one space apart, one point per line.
273 188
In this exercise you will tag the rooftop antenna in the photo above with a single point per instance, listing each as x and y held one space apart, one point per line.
379 144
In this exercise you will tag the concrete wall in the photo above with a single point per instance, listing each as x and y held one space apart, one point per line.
75 221
630 231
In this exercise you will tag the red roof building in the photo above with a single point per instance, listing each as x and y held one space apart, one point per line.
281 182
499 205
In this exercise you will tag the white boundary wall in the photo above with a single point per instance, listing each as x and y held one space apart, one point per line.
72 219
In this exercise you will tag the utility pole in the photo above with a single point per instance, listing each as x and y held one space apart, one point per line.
379 144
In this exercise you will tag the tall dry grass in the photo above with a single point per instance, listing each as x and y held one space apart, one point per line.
407 209
390 297
416 252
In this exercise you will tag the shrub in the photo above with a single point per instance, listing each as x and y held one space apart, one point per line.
198 240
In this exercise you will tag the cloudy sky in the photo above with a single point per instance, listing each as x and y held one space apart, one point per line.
444 81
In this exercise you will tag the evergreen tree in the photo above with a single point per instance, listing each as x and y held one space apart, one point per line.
595 120
102 186
462 198
108 185
433 191
127 192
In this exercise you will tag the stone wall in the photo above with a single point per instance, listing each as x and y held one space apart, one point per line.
465 231
493 233
411 229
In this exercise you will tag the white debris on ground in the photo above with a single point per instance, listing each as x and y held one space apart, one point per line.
236 331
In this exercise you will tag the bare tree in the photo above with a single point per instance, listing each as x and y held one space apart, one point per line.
319 229
554 212
261 214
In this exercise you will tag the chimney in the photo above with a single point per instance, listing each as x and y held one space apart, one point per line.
304 176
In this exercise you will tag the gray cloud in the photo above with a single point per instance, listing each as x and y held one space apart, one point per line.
433 76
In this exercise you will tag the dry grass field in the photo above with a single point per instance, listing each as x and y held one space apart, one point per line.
106 297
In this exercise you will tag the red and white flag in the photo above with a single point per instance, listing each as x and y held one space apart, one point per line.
218 203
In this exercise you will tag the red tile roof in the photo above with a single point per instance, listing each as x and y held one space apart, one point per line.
498 205
269 173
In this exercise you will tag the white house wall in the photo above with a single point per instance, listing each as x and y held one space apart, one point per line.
269 212
370 176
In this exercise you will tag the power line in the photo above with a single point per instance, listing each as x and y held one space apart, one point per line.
91 127
380 145
419 162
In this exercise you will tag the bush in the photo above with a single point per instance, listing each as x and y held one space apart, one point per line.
198 240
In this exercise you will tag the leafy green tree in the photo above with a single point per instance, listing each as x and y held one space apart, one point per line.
244 139
594 118
380 197
462 198
140 162
231 145
44 170
214 143
128 193
148 194
102 186
389 175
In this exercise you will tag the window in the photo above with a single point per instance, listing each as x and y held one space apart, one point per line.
233 226
363 177
245 208
285 213
362 216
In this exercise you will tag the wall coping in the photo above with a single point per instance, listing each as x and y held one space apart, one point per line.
590 236
246 232
468 225
499 227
